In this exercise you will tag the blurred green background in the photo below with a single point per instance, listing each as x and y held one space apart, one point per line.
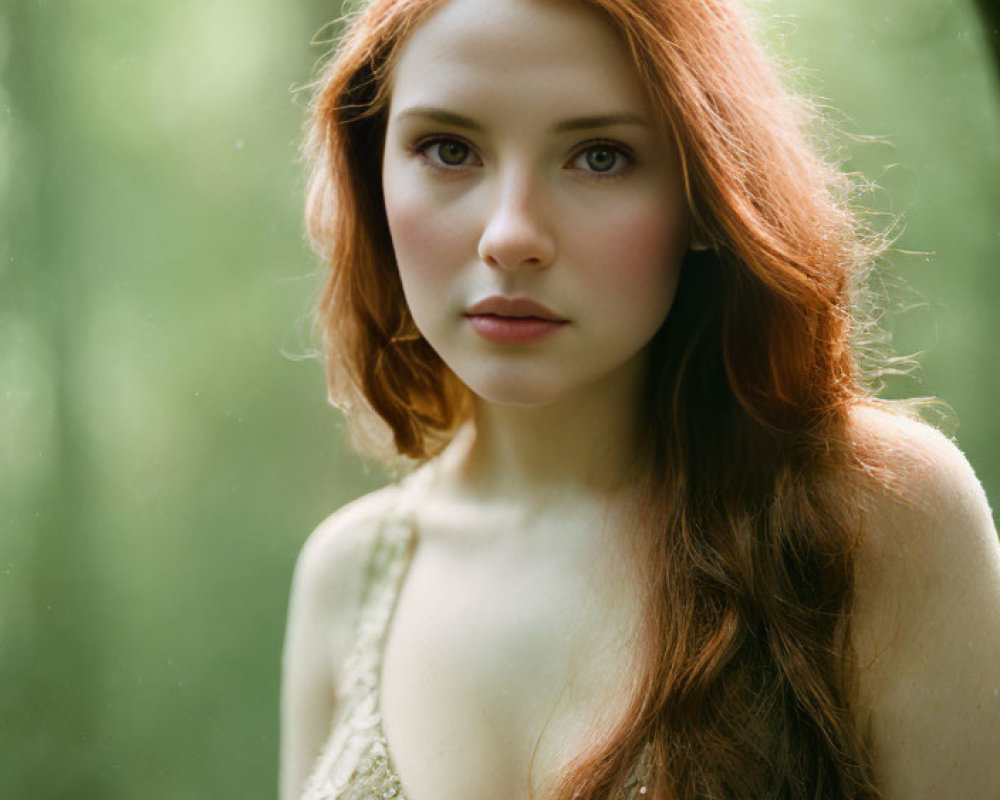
164 447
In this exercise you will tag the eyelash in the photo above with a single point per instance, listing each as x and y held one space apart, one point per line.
625 153
421 147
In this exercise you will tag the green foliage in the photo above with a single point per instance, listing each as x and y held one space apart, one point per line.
162 456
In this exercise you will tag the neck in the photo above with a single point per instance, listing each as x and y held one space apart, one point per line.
585 443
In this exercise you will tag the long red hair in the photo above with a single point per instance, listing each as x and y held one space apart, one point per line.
746 673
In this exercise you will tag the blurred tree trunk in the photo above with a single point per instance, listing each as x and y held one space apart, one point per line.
989 10
53 674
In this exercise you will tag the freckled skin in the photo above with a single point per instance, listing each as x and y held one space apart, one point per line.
524 213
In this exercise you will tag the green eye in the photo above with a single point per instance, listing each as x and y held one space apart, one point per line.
452 153
601 159
445 153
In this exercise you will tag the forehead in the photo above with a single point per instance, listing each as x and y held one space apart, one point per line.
481 52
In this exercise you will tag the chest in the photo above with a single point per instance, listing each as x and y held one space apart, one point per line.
499 669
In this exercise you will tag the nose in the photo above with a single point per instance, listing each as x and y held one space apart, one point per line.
516 235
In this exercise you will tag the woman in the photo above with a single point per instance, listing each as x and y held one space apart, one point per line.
587 274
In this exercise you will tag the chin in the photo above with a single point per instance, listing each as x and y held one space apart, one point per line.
513 390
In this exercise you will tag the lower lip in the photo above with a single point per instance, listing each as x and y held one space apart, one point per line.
513 330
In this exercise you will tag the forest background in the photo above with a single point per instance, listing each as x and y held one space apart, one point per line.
165 447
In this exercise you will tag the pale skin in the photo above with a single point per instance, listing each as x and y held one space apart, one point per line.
512 637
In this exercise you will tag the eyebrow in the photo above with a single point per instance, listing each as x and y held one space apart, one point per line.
447 117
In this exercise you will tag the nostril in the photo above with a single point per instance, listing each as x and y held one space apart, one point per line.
514 247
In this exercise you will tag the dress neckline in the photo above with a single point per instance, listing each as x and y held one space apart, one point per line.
359 747
408 529
397 543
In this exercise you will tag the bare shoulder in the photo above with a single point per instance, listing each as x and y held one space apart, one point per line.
927 612
330 569
925 476
350 529
325 602
925 521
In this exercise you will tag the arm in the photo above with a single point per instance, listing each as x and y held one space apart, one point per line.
927 623
322 617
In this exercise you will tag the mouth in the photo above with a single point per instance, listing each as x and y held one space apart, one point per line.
514 308
518 320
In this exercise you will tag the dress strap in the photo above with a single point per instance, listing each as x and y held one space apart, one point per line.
385 575
357 729
386 571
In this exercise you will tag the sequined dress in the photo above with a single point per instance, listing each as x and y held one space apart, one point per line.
355 763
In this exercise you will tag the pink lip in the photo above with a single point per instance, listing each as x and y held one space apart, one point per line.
500 306
513 320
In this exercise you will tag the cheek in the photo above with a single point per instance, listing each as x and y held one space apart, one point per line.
428 243
637 260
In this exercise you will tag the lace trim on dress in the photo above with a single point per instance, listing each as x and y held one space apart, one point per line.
355 763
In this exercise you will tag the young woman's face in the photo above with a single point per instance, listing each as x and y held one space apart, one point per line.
535 204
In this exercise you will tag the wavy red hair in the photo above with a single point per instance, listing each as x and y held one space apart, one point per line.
745 679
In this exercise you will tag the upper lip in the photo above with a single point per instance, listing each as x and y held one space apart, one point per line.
513 307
